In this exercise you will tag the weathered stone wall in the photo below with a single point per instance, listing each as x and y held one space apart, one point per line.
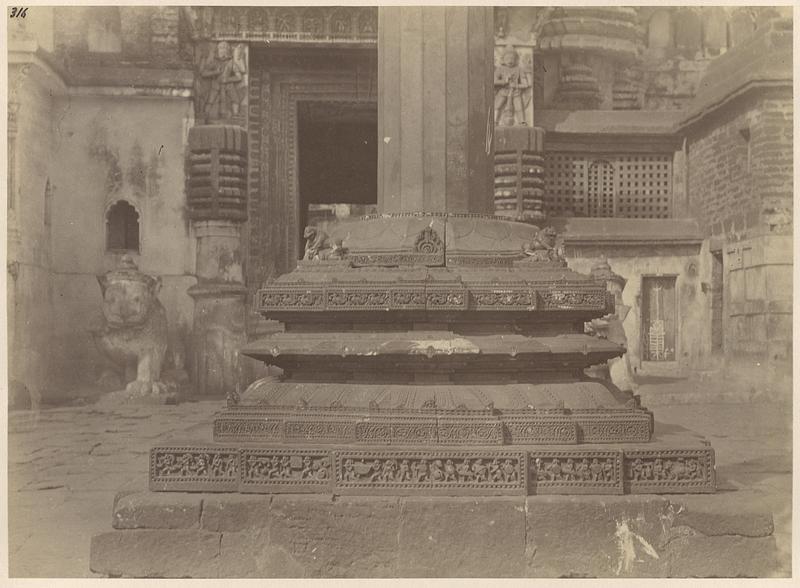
740 186
149 36
29 269
107 149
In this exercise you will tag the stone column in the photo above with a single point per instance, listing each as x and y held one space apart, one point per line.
435 109
217 206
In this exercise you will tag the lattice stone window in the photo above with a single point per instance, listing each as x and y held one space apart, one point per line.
565 185
620 185
600 189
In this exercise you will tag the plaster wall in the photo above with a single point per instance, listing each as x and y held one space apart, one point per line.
29 289
692 267
106 149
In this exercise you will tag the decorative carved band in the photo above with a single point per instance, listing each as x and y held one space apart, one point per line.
276 298
430 472
629 427
363 259
194 469
295 24
540 429
292 470
573 299
383 470
670 471
576 472
345 425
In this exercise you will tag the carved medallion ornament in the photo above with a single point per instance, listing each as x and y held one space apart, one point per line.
428 242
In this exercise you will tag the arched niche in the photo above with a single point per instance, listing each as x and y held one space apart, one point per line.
122 227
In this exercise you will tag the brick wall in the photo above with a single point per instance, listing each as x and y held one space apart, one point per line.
740 188
740 162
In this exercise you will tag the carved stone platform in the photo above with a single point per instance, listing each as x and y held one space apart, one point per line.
433 354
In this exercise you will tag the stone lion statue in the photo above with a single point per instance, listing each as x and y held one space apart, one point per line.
133 330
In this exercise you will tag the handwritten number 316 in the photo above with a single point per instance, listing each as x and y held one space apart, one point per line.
17 12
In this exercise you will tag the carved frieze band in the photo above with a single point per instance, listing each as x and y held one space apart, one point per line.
576 472
385 470
284 470
669 471
514 429
430 472
194 468
427 297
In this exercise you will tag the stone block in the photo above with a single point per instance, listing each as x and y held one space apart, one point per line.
156 553
235 512
713 522
589 537
249 554
462 537
722 556
345 537
148 510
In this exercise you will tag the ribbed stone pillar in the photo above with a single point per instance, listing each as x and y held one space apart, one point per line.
217 206
435 109
519 173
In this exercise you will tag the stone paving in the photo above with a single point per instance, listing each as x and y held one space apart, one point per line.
67 464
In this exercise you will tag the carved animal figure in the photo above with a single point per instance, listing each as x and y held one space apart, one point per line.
133 332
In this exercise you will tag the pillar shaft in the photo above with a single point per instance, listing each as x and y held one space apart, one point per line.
435 109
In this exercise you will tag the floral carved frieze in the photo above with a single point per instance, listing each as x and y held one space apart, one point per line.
428 297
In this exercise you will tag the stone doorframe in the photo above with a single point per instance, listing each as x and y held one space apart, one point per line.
278 81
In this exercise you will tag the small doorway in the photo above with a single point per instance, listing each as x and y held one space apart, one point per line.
659 318
717 302
337 161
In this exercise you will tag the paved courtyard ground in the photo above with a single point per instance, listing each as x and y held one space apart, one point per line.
67 464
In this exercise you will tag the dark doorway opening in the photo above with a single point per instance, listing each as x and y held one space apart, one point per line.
337 160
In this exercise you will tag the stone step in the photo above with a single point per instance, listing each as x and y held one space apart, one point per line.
208 536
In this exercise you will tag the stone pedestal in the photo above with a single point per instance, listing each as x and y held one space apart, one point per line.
294 536
217 206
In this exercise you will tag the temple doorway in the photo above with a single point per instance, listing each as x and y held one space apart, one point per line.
659 318
337 161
